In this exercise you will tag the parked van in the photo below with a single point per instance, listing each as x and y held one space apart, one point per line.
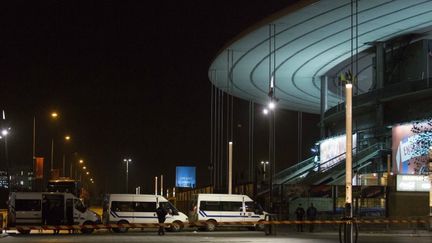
217 208
139 208
48 208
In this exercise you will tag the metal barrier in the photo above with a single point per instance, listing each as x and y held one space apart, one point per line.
270 224
343 233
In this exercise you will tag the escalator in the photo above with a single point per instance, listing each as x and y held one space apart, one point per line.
312 172
331 172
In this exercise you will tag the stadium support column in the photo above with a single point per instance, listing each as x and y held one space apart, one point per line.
324 88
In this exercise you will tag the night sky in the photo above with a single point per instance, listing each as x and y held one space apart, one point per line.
129 79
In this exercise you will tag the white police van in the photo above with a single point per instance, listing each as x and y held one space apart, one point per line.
42 208
216 208
139 208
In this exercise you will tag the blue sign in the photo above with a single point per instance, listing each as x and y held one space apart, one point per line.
185 176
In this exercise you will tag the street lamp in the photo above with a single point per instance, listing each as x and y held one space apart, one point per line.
264 164
127 161
54 116
4 134
67 139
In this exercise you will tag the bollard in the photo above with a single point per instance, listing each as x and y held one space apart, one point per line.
270 229
1 223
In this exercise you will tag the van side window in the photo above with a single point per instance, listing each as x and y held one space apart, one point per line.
231 206
145 206
27 205
122 206
209 206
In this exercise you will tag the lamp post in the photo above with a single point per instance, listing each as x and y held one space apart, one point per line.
264 164
230 153
67 139
127 161
54 116
4 134
348 164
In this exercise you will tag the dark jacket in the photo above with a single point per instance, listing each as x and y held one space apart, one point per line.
311 213
300 212
161 213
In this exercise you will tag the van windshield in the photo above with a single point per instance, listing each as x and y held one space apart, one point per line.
171 209
254 207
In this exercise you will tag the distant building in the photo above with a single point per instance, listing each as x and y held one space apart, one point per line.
4 183
22 179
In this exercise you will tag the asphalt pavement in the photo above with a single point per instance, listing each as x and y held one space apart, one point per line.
242 236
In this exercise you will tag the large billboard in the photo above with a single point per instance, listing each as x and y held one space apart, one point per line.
410 145
412 183
332 150
185 176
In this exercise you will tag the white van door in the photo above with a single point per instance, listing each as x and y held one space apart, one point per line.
209 210
28 211
145 212
122 209
252 213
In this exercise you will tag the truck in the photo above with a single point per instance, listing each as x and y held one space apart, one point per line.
48 208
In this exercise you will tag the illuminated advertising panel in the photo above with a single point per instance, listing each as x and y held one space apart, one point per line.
332 150
410 145
412 183
185 176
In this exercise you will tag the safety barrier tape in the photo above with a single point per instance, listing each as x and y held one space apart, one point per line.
204 223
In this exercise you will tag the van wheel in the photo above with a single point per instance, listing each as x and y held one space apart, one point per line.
23 231
121 229
210 225
259 226
87 230
176 226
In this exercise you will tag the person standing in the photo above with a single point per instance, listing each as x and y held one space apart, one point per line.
161 214
45 209
311 214
300 212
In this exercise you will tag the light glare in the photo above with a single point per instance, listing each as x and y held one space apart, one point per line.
5 132
271 105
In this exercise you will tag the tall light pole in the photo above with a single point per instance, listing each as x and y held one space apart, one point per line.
348 164
80 163
4 134
54 116
67 139
264 164
230 154
127 161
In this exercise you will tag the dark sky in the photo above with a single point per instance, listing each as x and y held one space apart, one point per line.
129 78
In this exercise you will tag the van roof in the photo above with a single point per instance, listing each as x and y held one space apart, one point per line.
147 196
223 196
37 194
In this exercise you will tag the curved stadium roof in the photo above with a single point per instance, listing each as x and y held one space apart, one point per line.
313 39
